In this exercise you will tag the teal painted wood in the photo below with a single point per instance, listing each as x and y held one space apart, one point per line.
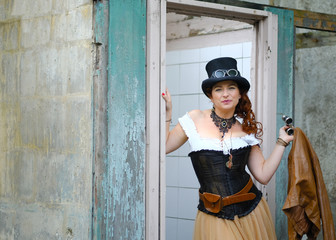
285 103
125 182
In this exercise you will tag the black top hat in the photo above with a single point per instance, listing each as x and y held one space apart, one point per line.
223 69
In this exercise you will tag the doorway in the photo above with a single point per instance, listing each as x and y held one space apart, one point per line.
191 43
256 60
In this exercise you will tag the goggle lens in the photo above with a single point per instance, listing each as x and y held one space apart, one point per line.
222 73
232 72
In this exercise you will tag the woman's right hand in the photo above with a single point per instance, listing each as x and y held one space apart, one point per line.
166 96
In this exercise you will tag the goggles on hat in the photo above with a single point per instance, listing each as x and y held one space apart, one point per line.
219 73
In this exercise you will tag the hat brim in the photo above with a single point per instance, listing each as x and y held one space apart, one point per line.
242 83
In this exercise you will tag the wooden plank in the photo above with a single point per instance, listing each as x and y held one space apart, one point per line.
315 39
285 74
163 124
239 3
263 89
302 18
125 182
153 197
313 20
99 106
196 8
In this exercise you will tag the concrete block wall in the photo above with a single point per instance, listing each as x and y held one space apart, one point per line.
45 119
315 109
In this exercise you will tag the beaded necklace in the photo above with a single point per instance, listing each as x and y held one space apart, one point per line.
224 125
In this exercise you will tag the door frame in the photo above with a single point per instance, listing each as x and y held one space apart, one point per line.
263 87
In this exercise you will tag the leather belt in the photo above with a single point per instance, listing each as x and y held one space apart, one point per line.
214 203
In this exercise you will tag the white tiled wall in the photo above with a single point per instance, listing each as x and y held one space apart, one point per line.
185 73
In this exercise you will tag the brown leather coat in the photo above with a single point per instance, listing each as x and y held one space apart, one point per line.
307 201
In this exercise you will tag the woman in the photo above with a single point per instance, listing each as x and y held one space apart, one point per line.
223 141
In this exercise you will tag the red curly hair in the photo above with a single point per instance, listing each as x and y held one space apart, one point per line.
244 110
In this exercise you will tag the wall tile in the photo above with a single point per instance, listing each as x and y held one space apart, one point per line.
171 228
189 78
210 53
246 68
187 203
205 102
247 49
172 78
189 56
186 173
188 103
232 50
184 150
172 57
202 75
176 109
172 168
185 229
240 64
172 194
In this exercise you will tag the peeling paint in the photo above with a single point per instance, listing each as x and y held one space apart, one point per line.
308 22
119 209
284 105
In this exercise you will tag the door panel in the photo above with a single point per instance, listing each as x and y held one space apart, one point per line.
284 105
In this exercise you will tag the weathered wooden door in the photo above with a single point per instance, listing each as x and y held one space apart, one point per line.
119 103
285 103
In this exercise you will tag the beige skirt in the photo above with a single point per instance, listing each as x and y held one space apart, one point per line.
256 225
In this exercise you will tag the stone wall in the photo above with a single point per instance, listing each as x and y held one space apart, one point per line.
315 110
45 119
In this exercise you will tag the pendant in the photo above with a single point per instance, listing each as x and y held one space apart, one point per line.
229 163
224 124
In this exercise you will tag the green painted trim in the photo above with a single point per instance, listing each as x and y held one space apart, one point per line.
125 182
119 110
285 103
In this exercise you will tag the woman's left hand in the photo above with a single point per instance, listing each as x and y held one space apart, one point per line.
284 136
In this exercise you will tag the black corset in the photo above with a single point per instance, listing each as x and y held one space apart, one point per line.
215 177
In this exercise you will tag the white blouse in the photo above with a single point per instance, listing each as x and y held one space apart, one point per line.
198 143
